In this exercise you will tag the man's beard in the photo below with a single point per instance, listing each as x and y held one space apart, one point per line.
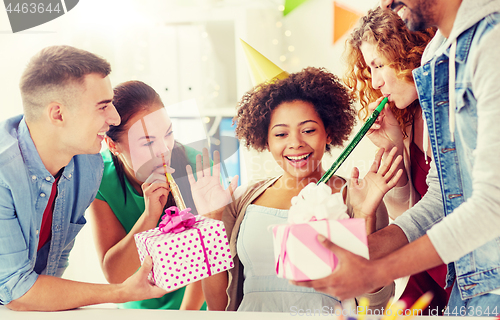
418 22
419 18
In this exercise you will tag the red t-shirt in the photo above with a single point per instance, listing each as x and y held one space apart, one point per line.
46 228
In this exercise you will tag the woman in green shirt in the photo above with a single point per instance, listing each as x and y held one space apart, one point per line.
134 192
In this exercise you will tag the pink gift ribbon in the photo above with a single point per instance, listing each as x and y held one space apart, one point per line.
209 270
178 221
283 258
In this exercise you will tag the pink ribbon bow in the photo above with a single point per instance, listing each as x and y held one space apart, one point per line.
178 221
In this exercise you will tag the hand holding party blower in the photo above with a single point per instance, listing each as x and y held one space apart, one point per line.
179 246
357 138
176 193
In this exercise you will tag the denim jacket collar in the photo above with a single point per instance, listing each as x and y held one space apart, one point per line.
33 161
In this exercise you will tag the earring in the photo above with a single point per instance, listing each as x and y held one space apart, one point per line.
116 153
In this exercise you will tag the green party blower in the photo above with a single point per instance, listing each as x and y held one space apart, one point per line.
347 151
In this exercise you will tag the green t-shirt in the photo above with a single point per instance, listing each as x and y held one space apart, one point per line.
128 213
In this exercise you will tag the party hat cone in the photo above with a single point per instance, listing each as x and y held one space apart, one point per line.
262 70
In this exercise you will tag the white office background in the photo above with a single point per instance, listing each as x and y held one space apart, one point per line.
188 50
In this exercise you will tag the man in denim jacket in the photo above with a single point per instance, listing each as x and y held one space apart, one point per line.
458 220
50 170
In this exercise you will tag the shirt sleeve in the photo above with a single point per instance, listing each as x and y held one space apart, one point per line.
475 222
427 212
16 273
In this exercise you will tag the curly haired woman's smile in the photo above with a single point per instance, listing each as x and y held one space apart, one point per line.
297 139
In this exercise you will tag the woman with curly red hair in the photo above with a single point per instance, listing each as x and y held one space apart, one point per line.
297 120
381 54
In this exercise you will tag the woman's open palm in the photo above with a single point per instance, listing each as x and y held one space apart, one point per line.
209 195
366 194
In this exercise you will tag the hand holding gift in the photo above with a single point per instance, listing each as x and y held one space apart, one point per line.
137 286
340 283
185 248
298 254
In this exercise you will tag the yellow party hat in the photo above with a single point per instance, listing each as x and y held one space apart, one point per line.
262 70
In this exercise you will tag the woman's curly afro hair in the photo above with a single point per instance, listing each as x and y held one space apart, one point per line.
317 86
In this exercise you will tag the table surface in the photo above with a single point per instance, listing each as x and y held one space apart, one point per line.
97 313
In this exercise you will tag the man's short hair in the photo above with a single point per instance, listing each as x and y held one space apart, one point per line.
56 73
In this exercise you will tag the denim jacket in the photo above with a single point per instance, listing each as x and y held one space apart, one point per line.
478 271
25 187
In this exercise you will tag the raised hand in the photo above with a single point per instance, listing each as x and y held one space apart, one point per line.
385 132
209 195
366 194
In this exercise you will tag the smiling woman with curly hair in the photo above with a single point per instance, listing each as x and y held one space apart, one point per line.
297 120
322 89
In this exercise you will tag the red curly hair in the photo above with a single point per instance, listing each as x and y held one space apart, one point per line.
398 45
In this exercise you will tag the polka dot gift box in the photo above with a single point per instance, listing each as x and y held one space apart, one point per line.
185 248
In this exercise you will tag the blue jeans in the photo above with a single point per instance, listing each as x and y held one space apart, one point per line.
486 305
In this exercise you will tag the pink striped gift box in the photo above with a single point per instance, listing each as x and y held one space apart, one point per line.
299 256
